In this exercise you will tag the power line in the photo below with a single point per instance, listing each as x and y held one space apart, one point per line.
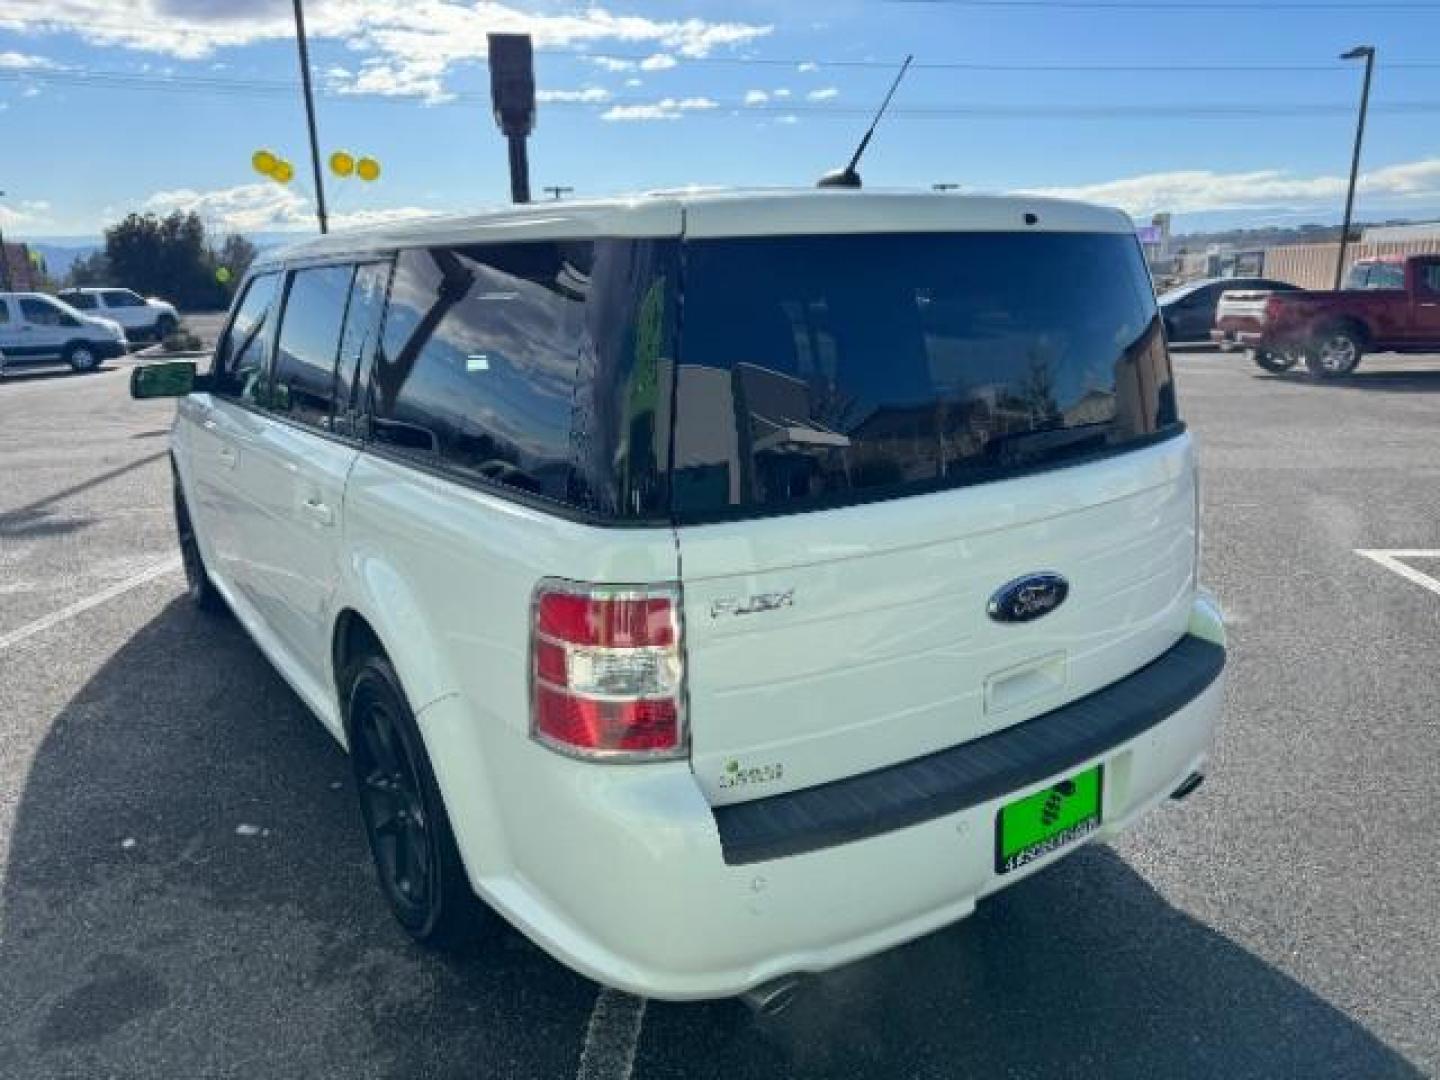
234 88
1368 6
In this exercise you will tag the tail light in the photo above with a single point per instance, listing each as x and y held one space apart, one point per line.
607 673
1272 308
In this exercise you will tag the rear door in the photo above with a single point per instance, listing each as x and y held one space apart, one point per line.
876 434
1425 321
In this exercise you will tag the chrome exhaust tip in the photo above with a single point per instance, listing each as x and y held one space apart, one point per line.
1187 786
774 997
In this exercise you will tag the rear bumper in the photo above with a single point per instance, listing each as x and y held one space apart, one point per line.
1245 339
622 873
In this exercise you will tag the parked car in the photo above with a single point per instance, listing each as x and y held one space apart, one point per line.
875 578
1389 304
39 329
1189 310
143 318
1240 316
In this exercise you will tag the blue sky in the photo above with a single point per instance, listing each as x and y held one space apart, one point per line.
112 105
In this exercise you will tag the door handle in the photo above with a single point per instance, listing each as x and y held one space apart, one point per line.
227 456
319 512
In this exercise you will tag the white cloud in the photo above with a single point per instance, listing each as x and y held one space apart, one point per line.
658 62
665 109
788 118
807 66
756 97
414 45
1200 189
266 207
589 95
632 82
612 63
388 79
18 61
781 92
826 94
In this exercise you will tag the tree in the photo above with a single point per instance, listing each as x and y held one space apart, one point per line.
89 270
235 254
166 257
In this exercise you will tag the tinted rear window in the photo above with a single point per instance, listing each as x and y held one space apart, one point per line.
823 370
538 368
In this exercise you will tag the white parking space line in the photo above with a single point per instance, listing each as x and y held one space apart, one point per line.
55 618
1390 559
612 1036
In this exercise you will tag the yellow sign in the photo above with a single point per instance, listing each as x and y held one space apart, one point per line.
264 162
283 172
368 169
342 163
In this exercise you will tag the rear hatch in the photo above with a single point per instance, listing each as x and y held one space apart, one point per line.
874 434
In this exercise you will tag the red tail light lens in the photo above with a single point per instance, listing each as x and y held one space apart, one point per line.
1272 308
607 674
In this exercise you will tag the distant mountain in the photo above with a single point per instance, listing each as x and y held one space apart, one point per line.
59 257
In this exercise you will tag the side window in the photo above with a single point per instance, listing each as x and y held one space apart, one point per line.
1430 277
44 313
122 298
304 382
1387 276
241 353
81 301
481 349
359 342
4 311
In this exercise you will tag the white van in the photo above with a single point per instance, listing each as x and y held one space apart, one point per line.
39 329
719 586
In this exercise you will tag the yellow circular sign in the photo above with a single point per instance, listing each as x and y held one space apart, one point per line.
368 169
283 172
342 163
264 162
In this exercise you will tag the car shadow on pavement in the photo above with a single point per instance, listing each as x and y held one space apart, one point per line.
1423 381
187 892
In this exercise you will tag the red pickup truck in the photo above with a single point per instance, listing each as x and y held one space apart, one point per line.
1389 304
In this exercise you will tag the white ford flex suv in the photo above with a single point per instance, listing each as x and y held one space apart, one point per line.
719 587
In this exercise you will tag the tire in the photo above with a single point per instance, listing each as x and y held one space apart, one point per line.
81 356
1275 362
1335 351
416 859
198 587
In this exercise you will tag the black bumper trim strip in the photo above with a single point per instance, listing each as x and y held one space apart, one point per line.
972 773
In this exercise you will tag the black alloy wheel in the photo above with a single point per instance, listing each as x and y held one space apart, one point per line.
415 855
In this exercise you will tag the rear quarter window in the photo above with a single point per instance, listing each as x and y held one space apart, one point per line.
540 369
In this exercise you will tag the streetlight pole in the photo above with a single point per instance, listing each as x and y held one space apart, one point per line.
1368 53
310 116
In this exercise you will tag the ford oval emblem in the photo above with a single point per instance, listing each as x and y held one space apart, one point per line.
1028 597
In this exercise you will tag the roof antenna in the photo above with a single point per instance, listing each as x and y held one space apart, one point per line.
848 177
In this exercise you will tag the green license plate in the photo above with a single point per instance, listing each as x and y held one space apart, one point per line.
1033 827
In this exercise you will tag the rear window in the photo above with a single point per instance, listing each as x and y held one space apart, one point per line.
817 371
80 301
1376 276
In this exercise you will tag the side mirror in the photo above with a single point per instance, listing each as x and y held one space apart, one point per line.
165 378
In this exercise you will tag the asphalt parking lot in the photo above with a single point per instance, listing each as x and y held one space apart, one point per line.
185 890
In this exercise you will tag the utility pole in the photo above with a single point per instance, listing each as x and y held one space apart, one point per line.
556 192
310 116
1367 52
4 259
